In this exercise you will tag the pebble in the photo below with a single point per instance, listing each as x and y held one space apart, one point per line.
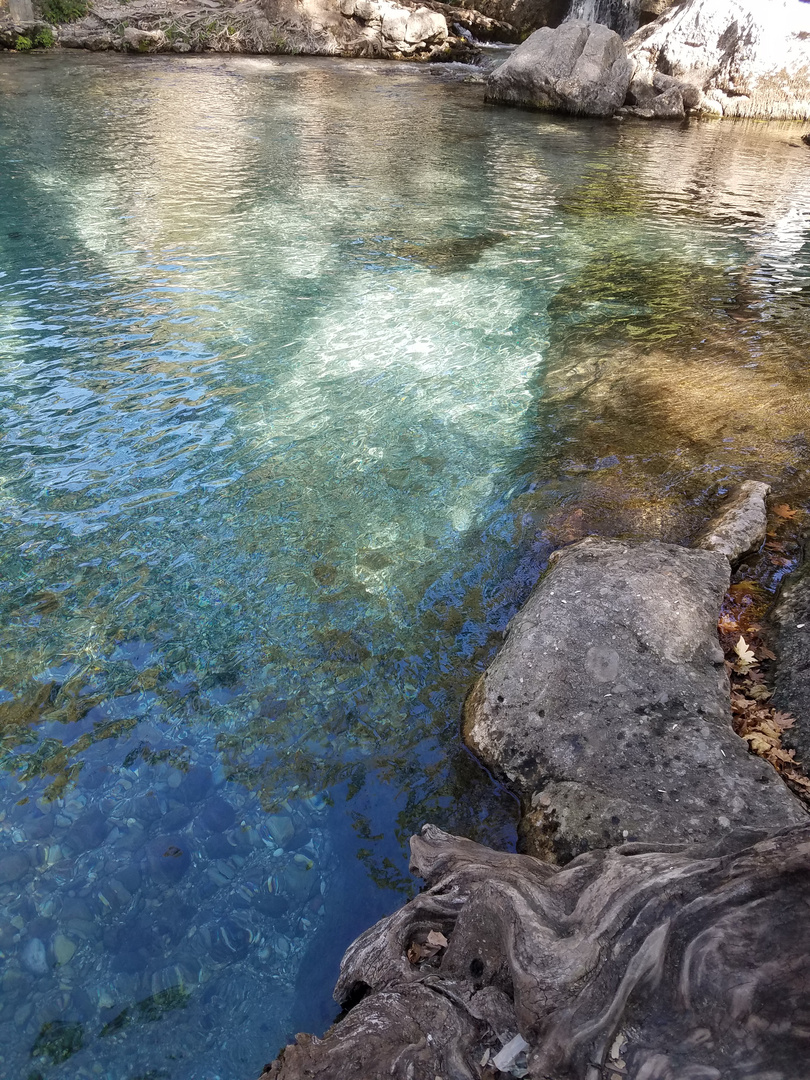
22 1014
63 949
167 858
281 828
218 814
34 957
13 867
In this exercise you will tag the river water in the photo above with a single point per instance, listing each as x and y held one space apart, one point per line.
306 366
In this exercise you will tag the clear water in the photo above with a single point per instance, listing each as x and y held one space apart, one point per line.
306 367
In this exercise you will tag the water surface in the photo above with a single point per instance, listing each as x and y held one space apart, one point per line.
305 367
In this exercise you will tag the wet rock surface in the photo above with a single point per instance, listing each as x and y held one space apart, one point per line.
550 972
792 691
607 709
579 68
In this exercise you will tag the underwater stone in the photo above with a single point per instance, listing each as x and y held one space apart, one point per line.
176 818
73 907
301 879
196 784
167 858
218 847
13 867
218 814
90 831
39 826
281 828
57 1041
34 957
271 905
63 949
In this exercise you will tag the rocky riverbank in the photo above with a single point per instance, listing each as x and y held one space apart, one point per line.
684 856
699 57
350 28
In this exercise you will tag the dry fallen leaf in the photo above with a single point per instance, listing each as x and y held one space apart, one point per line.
784 511
745 657
783 720
727 625
437 939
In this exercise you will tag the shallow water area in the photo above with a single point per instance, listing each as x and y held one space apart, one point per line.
305 368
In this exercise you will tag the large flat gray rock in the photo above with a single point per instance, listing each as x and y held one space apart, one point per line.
607 709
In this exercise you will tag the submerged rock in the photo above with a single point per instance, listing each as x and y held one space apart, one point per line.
13 867
34 956
635 962
579 68
167 858
607 709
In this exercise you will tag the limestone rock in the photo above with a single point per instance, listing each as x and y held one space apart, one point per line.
748 57
394 22
666 106
607 708
143 41
578 68
424 25
740 525
524 15
691 95
636 962
792 692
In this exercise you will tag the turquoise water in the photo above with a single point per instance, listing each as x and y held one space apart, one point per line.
305 368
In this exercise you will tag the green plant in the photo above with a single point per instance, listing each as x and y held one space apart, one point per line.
43 38
22 44
62 11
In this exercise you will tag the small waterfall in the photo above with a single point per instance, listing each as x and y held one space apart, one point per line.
620 15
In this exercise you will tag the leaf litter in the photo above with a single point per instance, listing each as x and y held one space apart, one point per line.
739 629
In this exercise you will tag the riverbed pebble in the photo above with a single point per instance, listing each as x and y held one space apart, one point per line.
13 867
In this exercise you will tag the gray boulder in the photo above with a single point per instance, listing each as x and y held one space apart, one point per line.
579 68
744 57
142 41
607 709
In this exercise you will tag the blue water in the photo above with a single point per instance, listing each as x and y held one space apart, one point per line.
305 368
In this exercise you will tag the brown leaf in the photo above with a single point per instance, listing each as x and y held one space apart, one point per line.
784 511
759 692
764 653
758 743
437 939
414 953
783 720
728 625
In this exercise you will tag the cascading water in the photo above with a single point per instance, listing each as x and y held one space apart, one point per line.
620 15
